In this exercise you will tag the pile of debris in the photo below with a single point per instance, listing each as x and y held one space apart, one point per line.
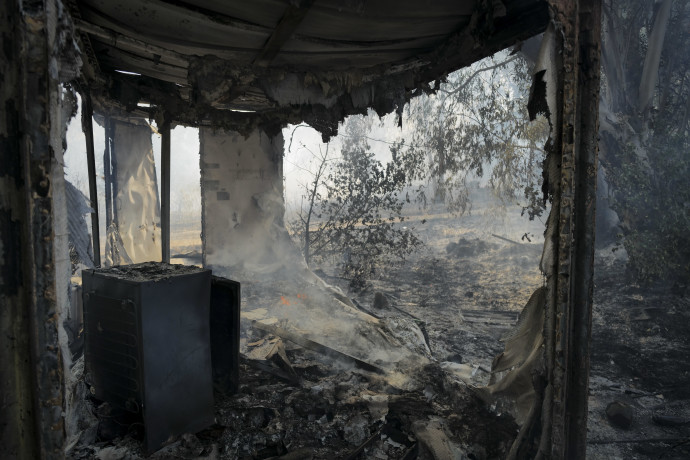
296 403
320 377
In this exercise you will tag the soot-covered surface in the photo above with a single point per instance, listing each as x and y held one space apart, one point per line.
641 357
329 408
147 271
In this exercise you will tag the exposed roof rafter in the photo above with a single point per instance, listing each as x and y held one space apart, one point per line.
291 19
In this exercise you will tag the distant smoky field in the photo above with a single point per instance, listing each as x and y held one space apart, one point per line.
466 288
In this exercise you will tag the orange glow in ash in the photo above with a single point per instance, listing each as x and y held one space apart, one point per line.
284 300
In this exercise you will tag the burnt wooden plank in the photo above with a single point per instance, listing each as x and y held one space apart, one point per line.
87 126
291 19
315 346
165 191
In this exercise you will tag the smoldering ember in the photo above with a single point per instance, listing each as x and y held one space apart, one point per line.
387 250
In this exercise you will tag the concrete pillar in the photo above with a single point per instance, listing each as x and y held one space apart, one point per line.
134 235
242 202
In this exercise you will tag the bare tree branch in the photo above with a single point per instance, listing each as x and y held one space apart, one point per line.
477 72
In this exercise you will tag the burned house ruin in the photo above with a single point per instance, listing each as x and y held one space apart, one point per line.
240 71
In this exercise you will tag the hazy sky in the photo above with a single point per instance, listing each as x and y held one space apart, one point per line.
184 158
185 175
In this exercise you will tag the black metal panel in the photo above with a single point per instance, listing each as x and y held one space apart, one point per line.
112 355
225 334
178 387
147 345
112 350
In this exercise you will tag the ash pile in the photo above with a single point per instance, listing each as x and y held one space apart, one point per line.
295 403
320 377
339 412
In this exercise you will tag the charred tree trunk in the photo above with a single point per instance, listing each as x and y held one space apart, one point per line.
650 71
628 99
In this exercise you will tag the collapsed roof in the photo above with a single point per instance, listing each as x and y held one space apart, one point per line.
204 61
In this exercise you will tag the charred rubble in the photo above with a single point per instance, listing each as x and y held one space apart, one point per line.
322 409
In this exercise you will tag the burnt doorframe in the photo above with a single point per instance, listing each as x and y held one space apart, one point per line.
568 325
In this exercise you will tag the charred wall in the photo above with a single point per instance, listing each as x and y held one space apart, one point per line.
38 53
36 56
242 199
557 424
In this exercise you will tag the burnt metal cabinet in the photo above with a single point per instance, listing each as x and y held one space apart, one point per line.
225 334
148 345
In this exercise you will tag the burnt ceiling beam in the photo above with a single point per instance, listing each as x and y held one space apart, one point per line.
219 85
119 25
121 41
116 59
122 92
87 127
486 34
214 16
291 19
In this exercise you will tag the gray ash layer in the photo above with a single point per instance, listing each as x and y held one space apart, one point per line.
148 271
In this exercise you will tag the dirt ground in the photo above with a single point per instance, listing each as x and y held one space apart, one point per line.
468 296
640 356
467 285
465 290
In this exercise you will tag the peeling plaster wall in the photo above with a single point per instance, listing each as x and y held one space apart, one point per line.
242 202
